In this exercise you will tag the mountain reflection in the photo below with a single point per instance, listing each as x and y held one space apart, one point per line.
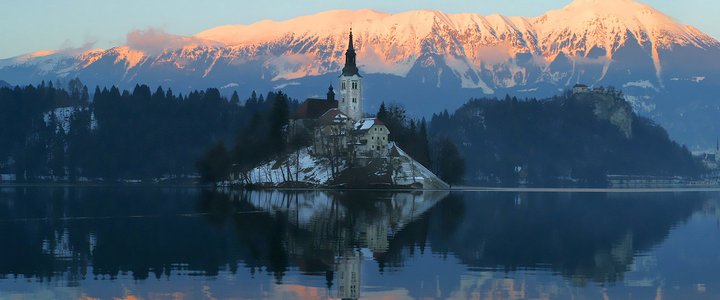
71 234
581 236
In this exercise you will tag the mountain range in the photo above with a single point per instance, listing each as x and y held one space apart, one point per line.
427 60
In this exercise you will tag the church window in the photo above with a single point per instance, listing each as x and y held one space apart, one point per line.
354 85
343 85
354 100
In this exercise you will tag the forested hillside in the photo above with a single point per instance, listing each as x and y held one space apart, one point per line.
57 134
568 139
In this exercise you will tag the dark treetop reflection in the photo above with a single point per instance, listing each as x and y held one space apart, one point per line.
353 242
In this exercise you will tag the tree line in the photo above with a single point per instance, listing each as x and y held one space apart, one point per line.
67 133
558 141
437 153
139 134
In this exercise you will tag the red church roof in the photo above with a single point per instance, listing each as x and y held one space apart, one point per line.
314 108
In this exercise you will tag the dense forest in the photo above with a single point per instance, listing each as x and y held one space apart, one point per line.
568 139
52 133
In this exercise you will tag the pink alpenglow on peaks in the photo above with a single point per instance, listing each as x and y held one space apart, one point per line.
482 52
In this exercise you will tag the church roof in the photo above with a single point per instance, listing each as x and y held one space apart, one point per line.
314 108
366 124
333 116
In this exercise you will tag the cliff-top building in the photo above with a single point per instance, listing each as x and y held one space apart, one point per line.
337 125
351 100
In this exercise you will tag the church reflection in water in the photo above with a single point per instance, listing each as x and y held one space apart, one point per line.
335 231
346 239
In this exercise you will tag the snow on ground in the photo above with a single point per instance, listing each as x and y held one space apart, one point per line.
412 172
645 84
284 85
303 167
639 104
230 85
307 168
62 115
696 79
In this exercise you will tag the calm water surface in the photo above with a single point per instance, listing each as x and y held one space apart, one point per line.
185 243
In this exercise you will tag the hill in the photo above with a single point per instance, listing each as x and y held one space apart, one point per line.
568 139
303 169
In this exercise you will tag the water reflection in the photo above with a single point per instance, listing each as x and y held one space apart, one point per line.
359 244
581 236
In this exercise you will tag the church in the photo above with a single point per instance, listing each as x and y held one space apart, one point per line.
337 126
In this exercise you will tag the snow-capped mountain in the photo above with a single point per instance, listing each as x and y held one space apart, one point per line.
427 60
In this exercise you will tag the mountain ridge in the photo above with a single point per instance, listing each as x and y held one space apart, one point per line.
418 55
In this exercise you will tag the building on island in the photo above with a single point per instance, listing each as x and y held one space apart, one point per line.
351 100
337 126
335 144
331 133
580 89
370 137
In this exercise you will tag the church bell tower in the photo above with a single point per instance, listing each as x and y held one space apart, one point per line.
351 100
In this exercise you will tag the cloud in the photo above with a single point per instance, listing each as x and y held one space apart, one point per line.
591 61
154 40
69 50
494 54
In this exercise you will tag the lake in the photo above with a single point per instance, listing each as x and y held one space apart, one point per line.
189 243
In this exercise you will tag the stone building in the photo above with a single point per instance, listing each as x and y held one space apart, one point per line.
370 136
331 133
580 88
337 127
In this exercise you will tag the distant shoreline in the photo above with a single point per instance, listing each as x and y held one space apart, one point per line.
586 190
452 189
94 184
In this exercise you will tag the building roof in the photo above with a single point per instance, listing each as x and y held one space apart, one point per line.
580 85
350 67
314 108
366 124
333 116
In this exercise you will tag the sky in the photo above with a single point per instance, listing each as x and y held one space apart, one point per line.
33 25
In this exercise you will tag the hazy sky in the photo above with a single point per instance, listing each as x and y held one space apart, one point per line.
32 25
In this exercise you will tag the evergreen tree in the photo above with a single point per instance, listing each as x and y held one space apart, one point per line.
278 118
450 165
382 113
215 164
235 99
423 145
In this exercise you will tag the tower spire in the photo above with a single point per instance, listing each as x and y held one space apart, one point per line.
350 42
350 68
